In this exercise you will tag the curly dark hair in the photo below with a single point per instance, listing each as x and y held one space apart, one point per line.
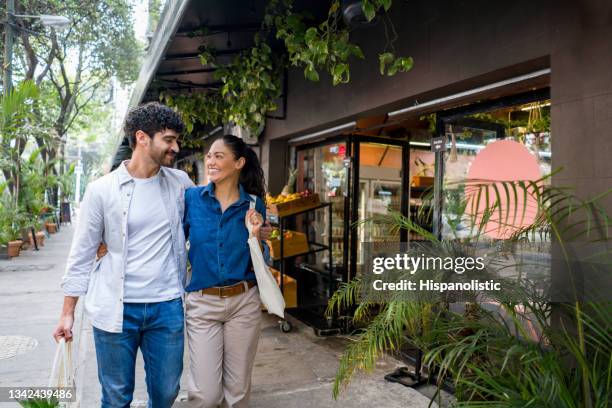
151 117
251 175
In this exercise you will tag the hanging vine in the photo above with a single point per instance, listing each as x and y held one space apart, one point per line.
251 82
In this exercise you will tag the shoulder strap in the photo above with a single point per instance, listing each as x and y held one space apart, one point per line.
252 203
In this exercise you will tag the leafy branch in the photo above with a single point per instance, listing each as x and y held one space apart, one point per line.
251 82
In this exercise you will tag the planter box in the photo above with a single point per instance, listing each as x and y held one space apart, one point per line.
293 206
297 244
289 288
422 181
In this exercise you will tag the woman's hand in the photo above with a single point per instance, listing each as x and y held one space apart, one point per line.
102 250
256 221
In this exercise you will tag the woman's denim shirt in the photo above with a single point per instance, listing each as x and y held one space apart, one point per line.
218 250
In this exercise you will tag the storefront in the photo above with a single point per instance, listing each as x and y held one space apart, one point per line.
364 176
519 73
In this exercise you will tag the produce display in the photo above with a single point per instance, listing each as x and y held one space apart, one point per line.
275 234
284 198
294 243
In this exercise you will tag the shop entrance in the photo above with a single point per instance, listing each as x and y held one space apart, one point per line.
361 177
380 189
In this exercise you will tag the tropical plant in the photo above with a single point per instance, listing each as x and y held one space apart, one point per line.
12 218
16 112
529 351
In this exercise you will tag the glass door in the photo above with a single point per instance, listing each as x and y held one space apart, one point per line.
322 170
382 189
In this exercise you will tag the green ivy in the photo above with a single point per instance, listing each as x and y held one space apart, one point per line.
251 82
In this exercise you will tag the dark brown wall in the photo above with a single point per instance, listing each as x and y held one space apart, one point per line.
450 41
581 88
458 45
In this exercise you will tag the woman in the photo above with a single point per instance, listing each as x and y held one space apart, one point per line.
222 304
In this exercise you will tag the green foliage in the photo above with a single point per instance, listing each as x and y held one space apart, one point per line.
12 219
370 7
391 65
251 82
250 85
74 69
513 357
15 128
101 34
39 403
325 46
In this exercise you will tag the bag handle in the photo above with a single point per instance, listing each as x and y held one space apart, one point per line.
251 207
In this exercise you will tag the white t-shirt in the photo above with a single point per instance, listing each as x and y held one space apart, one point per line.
151 273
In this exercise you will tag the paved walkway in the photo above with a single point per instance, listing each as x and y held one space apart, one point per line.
291 370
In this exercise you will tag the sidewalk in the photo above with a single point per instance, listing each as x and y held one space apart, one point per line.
291 370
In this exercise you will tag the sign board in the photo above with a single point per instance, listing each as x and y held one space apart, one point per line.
438 144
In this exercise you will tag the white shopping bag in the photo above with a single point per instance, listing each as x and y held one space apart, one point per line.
269 292
62 375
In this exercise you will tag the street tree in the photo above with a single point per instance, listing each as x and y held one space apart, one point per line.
73 66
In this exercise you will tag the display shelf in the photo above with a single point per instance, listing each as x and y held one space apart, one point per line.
321 287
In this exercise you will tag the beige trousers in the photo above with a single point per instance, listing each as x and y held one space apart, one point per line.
222 336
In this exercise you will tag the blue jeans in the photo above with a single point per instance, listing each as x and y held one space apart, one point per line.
157 328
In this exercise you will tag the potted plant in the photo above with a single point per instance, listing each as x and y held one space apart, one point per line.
10 227
40 233
51 227
9 238
10 243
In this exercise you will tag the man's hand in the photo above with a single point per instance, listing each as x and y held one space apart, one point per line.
64 328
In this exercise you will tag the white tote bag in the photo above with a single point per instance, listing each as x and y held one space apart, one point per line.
269 292
61 373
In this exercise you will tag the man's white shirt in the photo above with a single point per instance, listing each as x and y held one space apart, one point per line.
104 217
151 273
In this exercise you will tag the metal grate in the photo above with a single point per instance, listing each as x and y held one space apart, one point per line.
11 346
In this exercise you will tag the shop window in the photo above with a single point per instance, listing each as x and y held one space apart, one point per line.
507 144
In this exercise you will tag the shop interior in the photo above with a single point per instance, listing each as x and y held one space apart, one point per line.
383 167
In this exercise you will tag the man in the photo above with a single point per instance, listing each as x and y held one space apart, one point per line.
134 292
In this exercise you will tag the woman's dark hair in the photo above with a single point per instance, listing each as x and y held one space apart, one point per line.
252 175
151 117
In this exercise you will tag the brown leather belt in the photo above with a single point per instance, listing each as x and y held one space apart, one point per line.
229 291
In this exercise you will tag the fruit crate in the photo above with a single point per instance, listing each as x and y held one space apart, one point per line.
289 288
422 181
294 243
293 206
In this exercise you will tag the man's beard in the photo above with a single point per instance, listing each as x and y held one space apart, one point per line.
165 159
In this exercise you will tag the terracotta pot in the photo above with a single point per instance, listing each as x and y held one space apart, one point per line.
40 239
14 247
51 227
